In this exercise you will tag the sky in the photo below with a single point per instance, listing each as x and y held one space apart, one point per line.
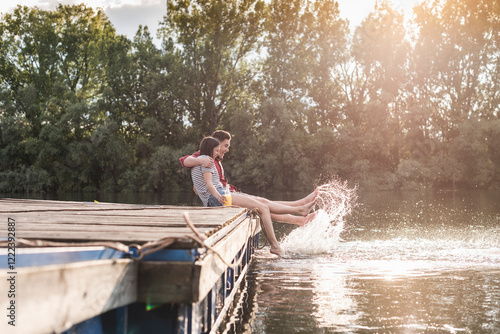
127 15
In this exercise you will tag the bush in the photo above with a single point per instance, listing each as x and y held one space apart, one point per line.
29 180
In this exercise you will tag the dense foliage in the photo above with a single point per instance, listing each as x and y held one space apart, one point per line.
385 106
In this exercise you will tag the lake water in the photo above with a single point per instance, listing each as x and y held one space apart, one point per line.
404 263
409 262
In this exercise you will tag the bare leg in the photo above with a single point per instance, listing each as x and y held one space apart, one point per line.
303 201
278 208
265 214
291 219
300 202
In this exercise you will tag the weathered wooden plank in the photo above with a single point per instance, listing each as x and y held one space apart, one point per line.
83 236
106 228
76 221
50 299
24 205
223 231
91 218
153 211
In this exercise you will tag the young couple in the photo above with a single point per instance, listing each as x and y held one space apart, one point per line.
209 182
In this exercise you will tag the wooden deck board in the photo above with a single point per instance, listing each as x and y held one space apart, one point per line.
205 221
84 236
172 219
110 228
53 298
88 221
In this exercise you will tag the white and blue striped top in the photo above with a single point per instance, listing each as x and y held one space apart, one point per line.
199 183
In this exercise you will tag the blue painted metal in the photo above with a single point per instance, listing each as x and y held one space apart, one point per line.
230 279
31 257
121 320
93 325
184 255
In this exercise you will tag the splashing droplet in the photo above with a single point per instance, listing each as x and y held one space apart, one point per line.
335 200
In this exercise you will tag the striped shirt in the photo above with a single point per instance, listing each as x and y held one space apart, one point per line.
199 182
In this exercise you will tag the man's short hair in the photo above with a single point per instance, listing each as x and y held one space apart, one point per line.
221 135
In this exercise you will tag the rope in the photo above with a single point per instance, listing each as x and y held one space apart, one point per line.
256 212
200 239
153 246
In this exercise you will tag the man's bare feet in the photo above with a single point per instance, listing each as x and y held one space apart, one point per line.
277 251
305 209
312 196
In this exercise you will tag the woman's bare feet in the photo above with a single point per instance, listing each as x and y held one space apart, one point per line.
309 218
300 220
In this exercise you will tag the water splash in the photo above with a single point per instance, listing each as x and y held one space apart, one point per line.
335 200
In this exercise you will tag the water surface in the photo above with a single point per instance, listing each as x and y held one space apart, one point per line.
405 263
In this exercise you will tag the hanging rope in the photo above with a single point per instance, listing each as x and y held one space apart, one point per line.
256 213
200 239
152 247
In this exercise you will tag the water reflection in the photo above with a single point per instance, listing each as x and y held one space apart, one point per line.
439 302
406 265
274 281
291 296
334 302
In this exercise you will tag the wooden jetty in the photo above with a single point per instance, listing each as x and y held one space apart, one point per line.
79 267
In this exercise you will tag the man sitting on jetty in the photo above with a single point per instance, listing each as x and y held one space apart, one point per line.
225 139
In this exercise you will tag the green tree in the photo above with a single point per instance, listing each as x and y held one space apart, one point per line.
454 60
374 83
215 39
292 125
51 79
455 76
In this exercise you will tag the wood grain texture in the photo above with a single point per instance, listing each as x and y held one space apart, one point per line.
53 298
127 223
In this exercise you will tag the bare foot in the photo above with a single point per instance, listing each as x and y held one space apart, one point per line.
304 209
301 220
312 196
277 251
309 218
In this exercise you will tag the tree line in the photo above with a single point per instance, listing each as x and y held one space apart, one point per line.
398 103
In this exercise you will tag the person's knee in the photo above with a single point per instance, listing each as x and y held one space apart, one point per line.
264 200
263 209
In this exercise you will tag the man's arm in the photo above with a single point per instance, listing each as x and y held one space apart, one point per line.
191 162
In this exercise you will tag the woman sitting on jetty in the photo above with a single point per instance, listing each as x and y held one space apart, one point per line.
211 192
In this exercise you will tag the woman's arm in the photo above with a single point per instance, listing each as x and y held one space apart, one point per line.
207 177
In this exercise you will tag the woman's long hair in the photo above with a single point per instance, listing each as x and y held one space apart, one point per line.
207 146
